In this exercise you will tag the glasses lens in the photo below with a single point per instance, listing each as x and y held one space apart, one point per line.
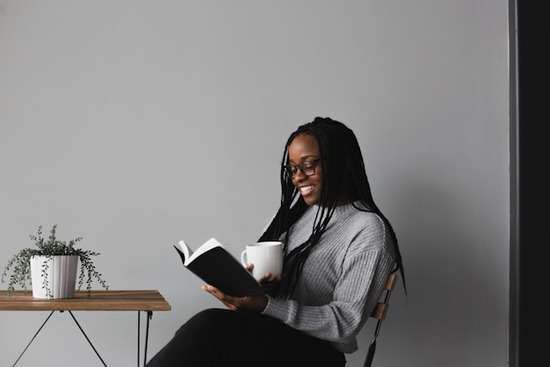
290 170
307 168
309 171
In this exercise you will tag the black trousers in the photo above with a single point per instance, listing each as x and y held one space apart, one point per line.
219 337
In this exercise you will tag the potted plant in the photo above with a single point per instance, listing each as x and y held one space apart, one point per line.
51 267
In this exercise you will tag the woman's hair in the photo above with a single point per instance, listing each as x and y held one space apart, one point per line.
343 177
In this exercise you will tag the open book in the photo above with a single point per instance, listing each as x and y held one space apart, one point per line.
217 267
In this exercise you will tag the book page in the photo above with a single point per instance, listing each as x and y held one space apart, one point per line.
208 245
186 251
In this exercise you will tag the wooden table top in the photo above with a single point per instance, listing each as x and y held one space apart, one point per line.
100 300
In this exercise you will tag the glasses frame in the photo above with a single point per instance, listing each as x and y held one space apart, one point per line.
292 170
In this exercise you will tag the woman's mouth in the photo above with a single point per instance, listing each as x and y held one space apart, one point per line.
306 190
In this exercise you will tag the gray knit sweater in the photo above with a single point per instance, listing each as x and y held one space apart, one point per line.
342 278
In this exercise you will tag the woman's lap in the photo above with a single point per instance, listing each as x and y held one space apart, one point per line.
217 337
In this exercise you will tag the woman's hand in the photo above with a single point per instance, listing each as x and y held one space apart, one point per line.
268 281
249 303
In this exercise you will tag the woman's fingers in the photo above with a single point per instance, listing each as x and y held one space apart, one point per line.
228 301
249 267
270 278
266 278
231 307
236 303
228 305
213 291
275 278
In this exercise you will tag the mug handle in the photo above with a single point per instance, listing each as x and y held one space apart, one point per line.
243 253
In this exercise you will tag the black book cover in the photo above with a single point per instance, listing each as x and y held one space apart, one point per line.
219 269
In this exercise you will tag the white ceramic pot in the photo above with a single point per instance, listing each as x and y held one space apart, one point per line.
61 276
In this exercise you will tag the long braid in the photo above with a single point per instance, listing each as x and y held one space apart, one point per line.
363 193
295 260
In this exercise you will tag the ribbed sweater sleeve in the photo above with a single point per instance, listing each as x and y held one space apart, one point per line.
365 267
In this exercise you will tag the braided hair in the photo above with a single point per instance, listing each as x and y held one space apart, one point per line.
343 176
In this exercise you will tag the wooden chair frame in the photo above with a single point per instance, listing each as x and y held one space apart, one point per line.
379 313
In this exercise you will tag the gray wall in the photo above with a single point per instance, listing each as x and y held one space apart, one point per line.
137 124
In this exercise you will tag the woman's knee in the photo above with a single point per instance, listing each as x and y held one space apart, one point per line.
205 322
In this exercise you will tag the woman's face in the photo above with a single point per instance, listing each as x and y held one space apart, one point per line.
303 154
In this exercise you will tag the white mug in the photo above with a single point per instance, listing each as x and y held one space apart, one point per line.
267 257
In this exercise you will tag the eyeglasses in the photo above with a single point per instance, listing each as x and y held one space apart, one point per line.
307 168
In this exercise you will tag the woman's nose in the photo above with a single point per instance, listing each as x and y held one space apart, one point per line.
299 176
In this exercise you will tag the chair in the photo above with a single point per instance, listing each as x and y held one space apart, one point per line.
379 313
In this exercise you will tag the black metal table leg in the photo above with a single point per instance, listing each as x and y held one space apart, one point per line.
138 332
149 316
88 339
24 350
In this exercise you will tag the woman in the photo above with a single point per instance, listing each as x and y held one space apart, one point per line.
339 250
